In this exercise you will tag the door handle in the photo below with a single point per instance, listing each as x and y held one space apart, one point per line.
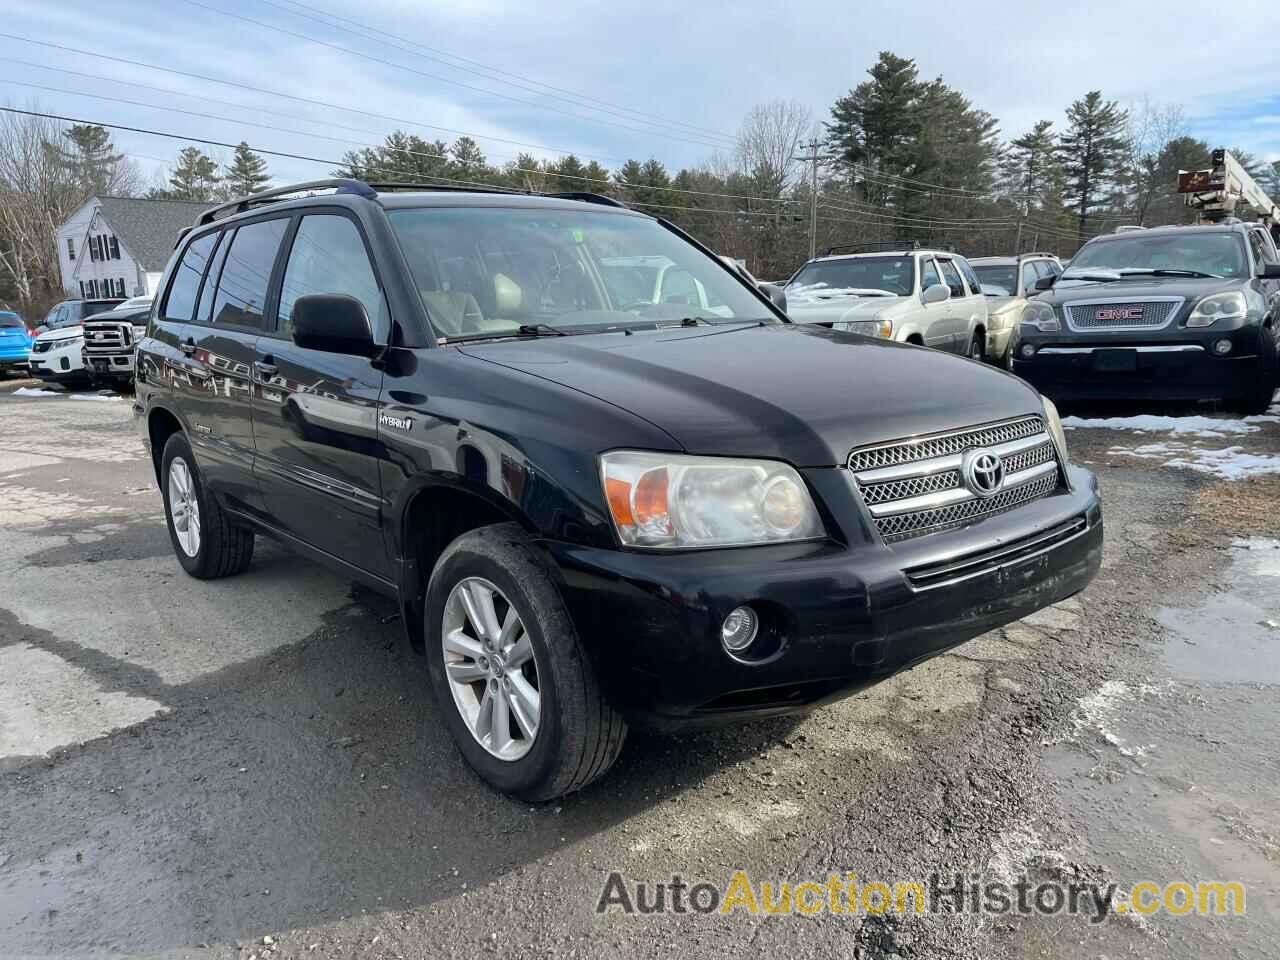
189 347
266 366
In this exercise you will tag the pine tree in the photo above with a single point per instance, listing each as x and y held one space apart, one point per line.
567 175
247 173
89 157
195 177
874 127
1092 152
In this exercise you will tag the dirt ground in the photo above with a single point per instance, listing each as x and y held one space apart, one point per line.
254 767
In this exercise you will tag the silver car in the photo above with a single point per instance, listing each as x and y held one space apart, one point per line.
1007 282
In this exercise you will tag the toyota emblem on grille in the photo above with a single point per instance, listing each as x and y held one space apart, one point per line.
983 472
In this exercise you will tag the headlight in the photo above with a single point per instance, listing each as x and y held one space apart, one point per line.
871 328
1055 428
672 501
1040 315
68 342
1220 306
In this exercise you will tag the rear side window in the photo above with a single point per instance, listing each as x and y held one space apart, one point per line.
951 278
204 309
185 283
1030 274
181 299
246 274
328 256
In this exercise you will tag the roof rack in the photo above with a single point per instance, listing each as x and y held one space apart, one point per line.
346 185
888 246
587 197
1037 253
337 185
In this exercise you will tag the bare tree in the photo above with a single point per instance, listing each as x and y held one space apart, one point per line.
768 141
37 195
1150 128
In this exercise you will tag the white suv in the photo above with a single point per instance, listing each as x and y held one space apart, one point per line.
929 297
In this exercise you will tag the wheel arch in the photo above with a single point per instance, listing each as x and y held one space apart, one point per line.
432 515
162 423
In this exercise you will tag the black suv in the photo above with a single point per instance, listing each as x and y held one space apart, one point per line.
1177 313
605 477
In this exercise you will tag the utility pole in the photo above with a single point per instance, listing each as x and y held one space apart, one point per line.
812 159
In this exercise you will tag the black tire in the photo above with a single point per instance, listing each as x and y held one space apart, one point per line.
1260 394
579 734
224 549
977 348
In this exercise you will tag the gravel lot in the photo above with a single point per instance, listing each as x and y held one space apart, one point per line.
254 767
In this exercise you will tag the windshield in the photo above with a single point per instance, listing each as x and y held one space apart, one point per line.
10 320
490 271
895 275
1221 254
1004 276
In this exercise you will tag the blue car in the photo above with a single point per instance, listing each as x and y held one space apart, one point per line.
15 343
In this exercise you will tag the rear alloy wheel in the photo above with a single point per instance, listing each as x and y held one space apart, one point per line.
513 683
205 541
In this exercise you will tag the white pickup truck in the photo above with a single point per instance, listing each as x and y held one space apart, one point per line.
927 297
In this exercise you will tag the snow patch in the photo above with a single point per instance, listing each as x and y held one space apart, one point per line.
1094 714
96 396
1227 463
1191 426
34 392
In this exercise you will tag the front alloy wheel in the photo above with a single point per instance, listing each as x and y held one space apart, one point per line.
491 667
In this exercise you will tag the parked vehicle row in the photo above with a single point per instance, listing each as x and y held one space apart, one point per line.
87 341
606 478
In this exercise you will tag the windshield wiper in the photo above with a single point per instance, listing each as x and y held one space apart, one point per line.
1162 272
1100 277
524 330
540 330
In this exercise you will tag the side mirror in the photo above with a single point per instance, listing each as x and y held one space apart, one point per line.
1045 283
936 293
1270 271
774 293
333 323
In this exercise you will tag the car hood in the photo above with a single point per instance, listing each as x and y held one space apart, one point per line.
62 333
1192 288
806 395
827 309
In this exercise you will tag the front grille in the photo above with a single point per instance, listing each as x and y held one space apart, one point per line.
905 525
1122 315
926 448
107 338
914 487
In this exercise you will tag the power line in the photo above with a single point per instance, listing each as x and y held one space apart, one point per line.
298 99
436 77
518 80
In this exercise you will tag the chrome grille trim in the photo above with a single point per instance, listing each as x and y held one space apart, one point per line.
1157 312
913 487
940 445
905 526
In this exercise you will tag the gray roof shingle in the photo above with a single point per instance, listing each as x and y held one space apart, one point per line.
149 228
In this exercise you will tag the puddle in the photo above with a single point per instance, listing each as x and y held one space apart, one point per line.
1234 635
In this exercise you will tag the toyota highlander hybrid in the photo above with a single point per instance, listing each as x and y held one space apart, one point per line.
1183 313
599 501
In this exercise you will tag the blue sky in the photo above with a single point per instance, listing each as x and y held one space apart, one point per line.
666 79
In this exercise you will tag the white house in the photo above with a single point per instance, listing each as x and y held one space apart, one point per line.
118 246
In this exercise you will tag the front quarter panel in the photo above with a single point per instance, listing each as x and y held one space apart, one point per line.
526 445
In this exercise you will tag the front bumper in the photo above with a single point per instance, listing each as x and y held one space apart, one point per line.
846 616
61 362
108 366
1180 365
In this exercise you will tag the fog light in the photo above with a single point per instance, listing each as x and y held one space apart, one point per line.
1222 347
1028 351
739 629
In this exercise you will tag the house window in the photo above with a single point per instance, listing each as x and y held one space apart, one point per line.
115 249
83 294
95 248
120 287
71 248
